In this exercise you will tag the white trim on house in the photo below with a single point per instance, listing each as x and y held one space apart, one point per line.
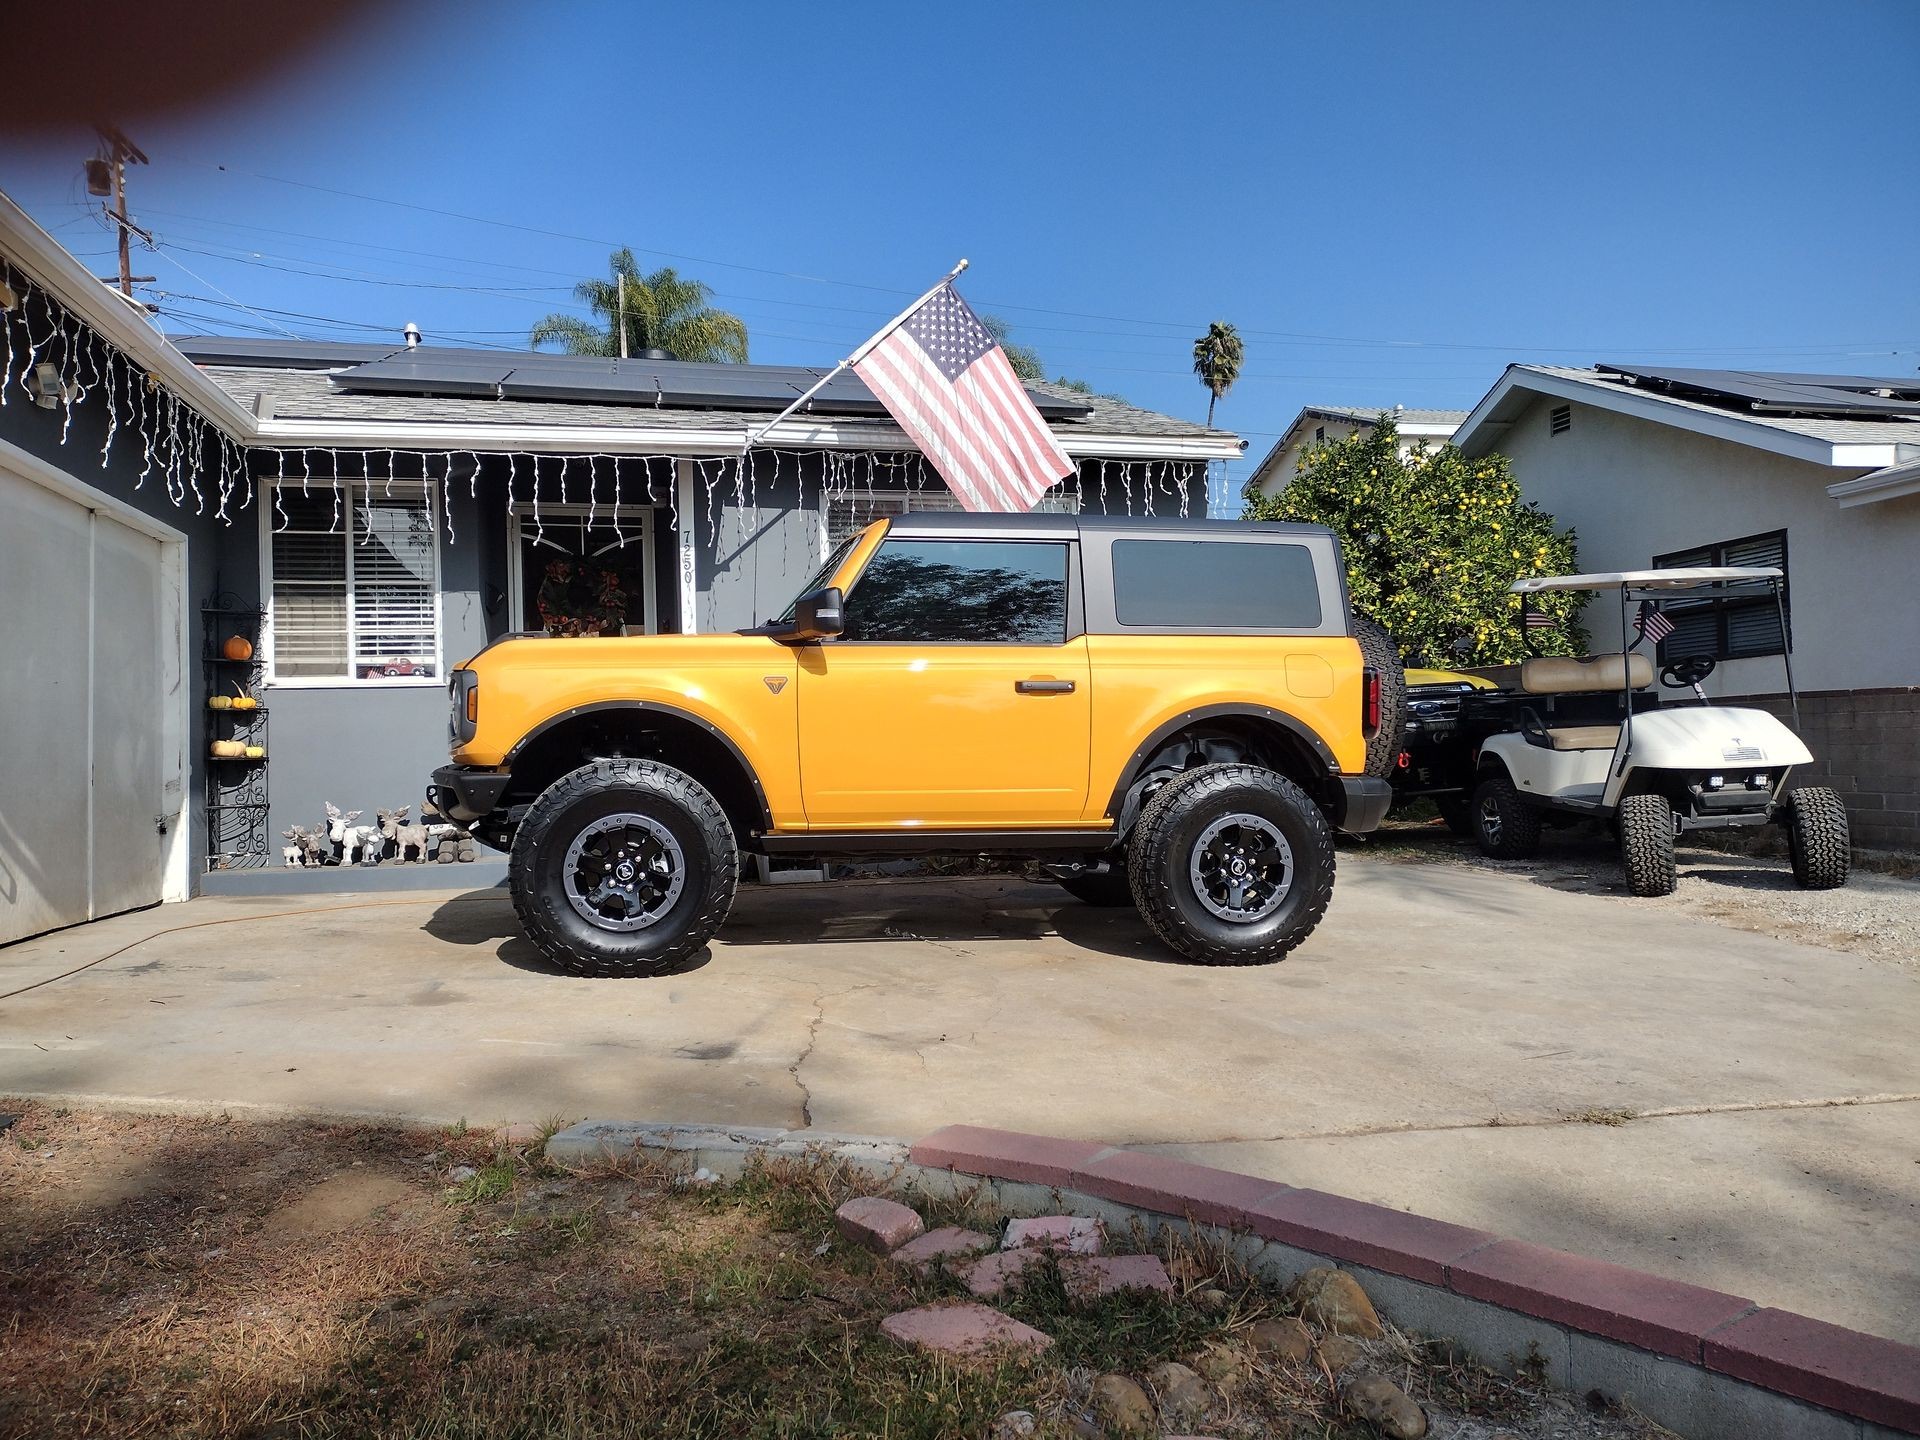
1888 484
176 721
433 488
687 522
1481 431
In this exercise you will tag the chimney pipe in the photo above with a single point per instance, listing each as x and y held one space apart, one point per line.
412 334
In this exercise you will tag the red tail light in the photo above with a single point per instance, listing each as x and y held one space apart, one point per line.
1370 703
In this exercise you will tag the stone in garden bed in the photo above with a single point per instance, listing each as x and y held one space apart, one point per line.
1067 1234
993 1275
875 1223
949 1243
962 1331
1089 1277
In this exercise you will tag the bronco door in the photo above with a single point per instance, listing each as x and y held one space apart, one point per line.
957 697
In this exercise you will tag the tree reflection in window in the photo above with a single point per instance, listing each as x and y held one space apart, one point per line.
978 590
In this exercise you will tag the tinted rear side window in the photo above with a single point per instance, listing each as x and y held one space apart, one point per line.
1215 584
979 590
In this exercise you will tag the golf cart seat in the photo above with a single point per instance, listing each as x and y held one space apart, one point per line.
1583 737
1565 675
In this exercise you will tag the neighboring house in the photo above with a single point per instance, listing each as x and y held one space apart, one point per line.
367 516
1323 424
1818 474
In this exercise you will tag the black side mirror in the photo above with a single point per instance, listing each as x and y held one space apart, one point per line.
817 615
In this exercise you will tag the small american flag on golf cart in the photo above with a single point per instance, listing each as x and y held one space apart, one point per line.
1540 620
1650 624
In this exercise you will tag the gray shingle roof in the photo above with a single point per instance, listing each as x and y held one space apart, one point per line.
307 393
1836 432
1370 413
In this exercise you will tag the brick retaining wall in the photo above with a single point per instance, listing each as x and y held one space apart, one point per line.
1866 744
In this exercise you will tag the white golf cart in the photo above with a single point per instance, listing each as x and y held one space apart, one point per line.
1591 740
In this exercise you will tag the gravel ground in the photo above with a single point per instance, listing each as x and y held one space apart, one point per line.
1877 913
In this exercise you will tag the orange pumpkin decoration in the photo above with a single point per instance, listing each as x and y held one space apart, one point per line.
238 647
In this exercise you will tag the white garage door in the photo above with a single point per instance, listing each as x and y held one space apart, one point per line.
90 783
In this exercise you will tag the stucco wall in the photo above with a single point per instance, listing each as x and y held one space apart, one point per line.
1632 490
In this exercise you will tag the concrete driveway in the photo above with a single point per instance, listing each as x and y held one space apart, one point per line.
1622 1081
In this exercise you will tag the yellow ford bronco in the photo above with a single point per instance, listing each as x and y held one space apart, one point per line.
1172 714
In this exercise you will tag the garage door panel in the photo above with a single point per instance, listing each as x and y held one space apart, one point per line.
127 844
44 700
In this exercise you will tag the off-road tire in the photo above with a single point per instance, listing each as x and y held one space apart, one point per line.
667 796
1817 837
1104 888
1646 844
1160 850
1457 811
1381 654
1517 835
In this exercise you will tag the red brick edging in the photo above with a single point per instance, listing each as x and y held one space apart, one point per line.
1859 1375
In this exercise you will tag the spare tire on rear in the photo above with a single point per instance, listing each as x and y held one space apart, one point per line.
1382 655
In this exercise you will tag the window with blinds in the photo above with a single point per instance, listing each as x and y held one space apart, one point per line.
1737 629
856 510
353 574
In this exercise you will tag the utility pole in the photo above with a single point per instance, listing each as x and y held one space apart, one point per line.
107 176
621 318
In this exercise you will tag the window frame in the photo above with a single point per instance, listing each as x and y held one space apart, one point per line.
1075 616
1721 608
517 618
266 485
1103 612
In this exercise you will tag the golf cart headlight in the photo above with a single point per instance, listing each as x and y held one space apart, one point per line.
1715 782
1758 781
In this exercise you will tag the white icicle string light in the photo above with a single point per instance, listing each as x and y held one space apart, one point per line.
539 528
446 488
280 489
617 533
113 413
593 489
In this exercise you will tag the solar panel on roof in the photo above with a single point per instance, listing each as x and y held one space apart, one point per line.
1779 393
413 373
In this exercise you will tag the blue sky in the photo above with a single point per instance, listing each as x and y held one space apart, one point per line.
1392 201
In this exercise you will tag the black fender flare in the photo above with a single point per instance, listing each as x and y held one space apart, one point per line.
1186 719
654 707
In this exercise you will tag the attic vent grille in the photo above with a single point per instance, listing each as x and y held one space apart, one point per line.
1560 420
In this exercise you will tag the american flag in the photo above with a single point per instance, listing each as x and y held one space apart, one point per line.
948 384
1540 620
1650 624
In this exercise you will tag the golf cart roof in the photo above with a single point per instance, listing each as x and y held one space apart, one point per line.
1695 578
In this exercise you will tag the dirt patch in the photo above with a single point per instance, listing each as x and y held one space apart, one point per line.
1744 884
326 1280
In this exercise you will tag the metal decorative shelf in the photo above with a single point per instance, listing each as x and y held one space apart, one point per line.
236 784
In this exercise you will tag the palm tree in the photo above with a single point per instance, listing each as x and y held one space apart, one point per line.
1024 359
1217 356
662 311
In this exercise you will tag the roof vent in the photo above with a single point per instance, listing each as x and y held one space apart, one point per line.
411 335
1560 420
654 352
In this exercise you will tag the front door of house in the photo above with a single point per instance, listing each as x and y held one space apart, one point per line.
582 572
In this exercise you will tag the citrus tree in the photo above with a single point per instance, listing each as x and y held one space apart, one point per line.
1432 541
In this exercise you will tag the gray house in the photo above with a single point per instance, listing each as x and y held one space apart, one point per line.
1817 474
325 530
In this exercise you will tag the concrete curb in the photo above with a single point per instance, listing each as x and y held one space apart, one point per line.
1707 1365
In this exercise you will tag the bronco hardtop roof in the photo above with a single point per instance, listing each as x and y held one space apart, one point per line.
1051 525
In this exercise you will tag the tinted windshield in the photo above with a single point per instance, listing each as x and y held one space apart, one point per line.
821 576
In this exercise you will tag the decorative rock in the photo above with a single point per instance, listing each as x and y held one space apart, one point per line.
1122 1407
949 1242
1223 1365
1385 1405
1284 1342
878 1224
1065 1234
1333 1300
1213 1300
1014 1425
993 1275
961 1331
1338 1353
1088 1277
1183 1395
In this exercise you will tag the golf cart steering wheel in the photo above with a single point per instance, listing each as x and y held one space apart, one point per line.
1687 673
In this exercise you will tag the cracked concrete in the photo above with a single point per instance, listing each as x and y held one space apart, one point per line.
1433 1001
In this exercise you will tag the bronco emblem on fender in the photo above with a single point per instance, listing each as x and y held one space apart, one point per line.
775 683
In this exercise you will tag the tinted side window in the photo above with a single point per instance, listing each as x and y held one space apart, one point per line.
980 590
1215 584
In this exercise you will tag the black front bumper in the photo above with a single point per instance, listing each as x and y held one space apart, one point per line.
1362 804
464 794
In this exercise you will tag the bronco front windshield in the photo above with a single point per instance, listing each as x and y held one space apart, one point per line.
821 576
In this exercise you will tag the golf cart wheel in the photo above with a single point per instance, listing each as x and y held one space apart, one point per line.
1505 827
1817 837
1106 888
623 868
1457 811
1231 865
1646 844
1383 656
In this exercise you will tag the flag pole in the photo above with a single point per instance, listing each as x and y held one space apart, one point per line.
754 437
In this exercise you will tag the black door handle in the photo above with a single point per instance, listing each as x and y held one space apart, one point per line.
1044 687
